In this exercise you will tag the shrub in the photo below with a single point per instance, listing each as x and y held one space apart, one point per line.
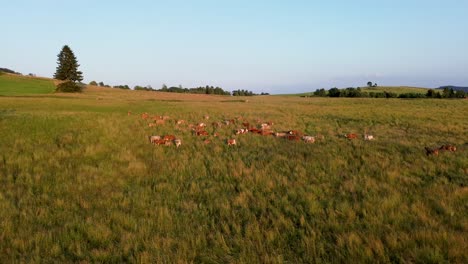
68 87
93 83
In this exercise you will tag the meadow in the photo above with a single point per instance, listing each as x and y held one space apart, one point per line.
79 181
14 85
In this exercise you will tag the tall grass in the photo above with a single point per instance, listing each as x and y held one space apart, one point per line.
79 181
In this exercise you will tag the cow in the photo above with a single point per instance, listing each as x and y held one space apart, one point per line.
241 131
201 125
164 117
160 121
152 139
216 124
351 136
254 130
201 133
144 116
169 137
429 151
280 134
308 139
129 113
215 134
231 142
265 126
451 148
207 117
160 142
206 141
293 137
177 142
368 137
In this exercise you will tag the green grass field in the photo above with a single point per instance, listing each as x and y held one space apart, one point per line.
11 85
79 181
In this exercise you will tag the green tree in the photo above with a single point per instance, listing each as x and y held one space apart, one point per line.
93 83
369 84
67 68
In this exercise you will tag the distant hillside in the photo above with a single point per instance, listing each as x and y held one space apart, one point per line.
455 88
8 71
11 85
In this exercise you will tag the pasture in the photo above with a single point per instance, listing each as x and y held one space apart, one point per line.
80 182
11 85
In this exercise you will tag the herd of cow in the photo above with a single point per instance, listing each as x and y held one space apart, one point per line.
260 128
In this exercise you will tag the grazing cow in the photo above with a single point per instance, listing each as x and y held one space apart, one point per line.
144 116
280 134
169 137
451 148
368 137
201 133
160 142
429 151
241 131
201 125
177 142
351 136
293 137
254 130
231 142
216 124
308 139
266 132
265 126
294 132
152 139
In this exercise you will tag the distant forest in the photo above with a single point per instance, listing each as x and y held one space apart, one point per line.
197 90
447 92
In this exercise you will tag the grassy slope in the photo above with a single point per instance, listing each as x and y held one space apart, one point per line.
11 85
79 181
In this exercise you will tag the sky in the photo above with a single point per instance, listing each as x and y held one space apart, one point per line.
264 46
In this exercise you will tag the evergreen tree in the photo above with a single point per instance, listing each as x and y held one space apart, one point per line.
67 68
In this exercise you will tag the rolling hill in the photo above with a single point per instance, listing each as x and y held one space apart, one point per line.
13 85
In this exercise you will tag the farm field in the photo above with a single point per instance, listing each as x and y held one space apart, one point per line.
80 182
22 85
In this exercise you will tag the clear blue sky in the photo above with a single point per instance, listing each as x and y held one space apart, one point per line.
271 46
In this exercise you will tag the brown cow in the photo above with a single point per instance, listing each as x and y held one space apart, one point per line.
201 133
169 137
160 142
451 148
152 139
231 142
351 136
144 116
429 151
293 137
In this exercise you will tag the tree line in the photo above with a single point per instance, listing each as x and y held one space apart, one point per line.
358 92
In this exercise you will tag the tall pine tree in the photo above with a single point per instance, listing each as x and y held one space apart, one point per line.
67 68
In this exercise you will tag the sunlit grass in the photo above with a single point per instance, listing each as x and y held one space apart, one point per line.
80 182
